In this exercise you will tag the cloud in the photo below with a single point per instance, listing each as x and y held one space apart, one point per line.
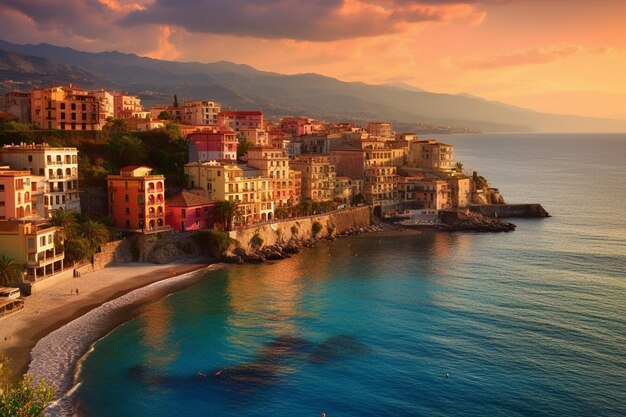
313 20
529 57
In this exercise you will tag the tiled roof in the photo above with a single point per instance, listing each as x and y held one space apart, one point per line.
187 199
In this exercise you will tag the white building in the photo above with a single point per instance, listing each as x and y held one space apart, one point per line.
58 166
199 112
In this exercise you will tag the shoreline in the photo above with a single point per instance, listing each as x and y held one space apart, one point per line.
54 307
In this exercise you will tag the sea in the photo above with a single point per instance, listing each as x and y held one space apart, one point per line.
526 323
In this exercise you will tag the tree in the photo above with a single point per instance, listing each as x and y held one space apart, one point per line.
76 249
66 221
359 199
227 211
10 272
127 150
175 100
23 399
96 234
117 126
243 146
459 166
163 115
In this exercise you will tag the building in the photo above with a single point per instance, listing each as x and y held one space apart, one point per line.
241 119
373 164
272 163
224 181
17 103
200 112
65 108
32 244
17 194
430 154
174 113
128 107
347 188
189 211
318 176
136 199
215 143
58 166
381 130
106 106
314 144
427 193
297 126
257 137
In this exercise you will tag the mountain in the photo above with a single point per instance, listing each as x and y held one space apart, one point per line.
243 87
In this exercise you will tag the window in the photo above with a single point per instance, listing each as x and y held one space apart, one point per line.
1 187
62 106
126 197
73 106
30 158
49 239
183 213
197 212
31 243
42 241
127 211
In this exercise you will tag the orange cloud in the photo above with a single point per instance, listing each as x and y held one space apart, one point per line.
529 57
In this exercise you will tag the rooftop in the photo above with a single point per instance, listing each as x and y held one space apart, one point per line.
187 199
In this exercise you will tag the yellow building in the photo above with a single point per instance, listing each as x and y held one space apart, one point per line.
318 176
430 154
65 108
222 181
33 245
273 163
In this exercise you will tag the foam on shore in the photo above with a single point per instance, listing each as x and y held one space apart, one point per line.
56 356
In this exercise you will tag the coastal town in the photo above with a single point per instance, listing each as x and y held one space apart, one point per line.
255 189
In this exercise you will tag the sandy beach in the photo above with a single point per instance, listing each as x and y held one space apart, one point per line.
53 307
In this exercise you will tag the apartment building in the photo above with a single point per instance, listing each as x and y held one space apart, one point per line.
58 166
200 112
381 131
65 108
128 107
18 194
32 244
188 211
226 181
136 199
236 120
430 154
215 143
318 176
272 163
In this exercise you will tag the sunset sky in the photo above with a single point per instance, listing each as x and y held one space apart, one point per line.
560 56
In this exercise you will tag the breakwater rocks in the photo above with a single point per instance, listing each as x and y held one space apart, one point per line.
280 251
469 221
510 210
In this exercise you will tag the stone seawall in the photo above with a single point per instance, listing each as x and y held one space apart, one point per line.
302 228
509 210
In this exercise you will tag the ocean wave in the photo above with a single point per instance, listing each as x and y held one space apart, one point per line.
56 356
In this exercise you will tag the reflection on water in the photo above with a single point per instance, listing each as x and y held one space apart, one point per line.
155 325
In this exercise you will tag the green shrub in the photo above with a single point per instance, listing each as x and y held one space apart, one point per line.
316 228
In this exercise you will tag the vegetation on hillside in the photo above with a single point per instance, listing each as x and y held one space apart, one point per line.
79 237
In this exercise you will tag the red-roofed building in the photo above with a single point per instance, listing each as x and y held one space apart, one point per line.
189 211
240 119
212 144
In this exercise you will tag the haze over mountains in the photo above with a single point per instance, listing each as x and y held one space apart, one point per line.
243 87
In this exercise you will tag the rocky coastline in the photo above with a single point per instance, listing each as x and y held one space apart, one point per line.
476 222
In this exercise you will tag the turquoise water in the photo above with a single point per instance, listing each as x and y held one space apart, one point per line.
529 323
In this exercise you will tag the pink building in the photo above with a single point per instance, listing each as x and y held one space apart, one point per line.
297 126
188 211
212 144
240 119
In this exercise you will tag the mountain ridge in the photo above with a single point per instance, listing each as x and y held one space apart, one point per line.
242 86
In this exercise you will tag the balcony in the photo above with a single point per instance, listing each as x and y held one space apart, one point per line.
46 258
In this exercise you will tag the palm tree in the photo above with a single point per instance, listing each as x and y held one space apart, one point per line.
10 272
243 147
66 220
76 249
118 126
226 211
459 167
96 234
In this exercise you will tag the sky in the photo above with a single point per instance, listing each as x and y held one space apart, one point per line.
558 56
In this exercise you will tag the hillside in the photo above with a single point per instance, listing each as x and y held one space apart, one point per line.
241 86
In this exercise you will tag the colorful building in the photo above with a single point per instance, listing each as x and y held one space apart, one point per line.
272 163
188 211
32 244
236 120
59 167
215 143
430 154
318 176
136 199
65 108
128 107
226 181
200 112
17 194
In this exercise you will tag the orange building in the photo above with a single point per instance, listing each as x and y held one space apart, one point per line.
65 108
136 199
17 194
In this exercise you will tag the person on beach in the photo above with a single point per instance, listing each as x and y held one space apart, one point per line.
76 291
